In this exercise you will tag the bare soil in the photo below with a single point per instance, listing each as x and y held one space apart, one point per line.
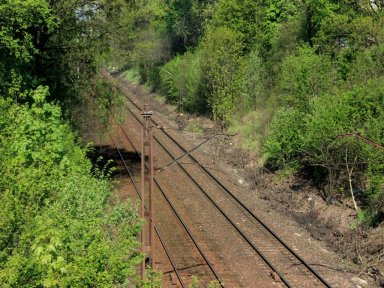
334 225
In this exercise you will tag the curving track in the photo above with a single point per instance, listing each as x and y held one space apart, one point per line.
285 265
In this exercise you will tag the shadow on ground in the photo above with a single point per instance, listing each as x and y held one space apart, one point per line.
107 159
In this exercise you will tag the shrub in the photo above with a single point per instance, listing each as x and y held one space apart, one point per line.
54 223
223 69
249 128
368 65
304 76
254 82
320 138
357 111
180 82
169 80
150 52
284 139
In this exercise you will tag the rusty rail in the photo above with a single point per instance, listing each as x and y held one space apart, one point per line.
228 192
181 220
155 227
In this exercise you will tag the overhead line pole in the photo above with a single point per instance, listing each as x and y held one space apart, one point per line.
147 187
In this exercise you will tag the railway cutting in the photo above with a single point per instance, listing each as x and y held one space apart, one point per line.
202 226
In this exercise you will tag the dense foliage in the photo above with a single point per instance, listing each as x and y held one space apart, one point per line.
302 80
58 43
57 225
54 223
307 71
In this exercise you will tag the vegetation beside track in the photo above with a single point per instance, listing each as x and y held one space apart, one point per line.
313 69
292 77
57 227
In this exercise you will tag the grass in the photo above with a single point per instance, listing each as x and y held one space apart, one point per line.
160 98
193 127
132 75
248 129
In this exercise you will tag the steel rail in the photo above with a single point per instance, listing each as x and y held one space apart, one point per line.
187 229
281 241
156 229
254 247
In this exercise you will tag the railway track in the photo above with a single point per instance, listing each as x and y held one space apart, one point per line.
177 267
160 238
286 266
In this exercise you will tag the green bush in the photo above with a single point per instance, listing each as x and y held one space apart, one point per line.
254 82
284 138
304 76
169 82
149 54
357 111
250 129
368 65
55 225
223 70
180 82
320 138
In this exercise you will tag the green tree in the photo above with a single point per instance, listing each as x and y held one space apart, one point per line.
222 71
257 21
57 43
185 21
305 76
180 82
55 226
20 40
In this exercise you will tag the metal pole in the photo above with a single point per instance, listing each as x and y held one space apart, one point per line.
142 211
147 187
151 200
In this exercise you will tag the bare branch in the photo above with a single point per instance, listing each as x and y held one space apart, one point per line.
365 139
